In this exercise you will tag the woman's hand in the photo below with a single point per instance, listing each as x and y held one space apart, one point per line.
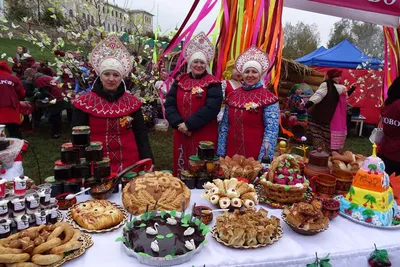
183 128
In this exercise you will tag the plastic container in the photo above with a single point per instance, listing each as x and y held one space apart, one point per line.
18 205
22 222
5 228
44 193
41 217
62 171
81 170
4 204
53 211
81 135
73 186
3 187
32 202
102 169
195 165
188 179
69 154
56 186
206 150
94 152
20 185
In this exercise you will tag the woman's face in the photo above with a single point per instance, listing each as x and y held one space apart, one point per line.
20 49
198 67
337 79
111 80
251 76
236 75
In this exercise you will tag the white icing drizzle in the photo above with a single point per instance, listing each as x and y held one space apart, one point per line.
152 230
190 245
154 246
171 221
189 231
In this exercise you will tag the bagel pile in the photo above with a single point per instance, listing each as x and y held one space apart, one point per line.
40 245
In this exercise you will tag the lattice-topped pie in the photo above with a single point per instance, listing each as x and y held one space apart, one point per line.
96 214
158 189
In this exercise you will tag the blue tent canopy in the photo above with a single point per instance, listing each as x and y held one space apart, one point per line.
342 55
307 59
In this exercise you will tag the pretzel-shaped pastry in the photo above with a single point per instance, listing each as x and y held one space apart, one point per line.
46 259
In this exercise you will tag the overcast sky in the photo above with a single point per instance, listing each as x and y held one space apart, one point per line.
171 13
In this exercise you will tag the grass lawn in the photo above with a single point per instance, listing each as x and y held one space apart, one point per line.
48 150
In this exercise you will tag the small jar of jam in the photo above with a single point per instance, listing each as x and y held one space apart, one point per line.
81 135
94 152
56 186
20 185
41 217
81 170
44 192
53 211
22 222
195 165
32 201
102 169
69 154
201 179
18 205
3 187
129 176
5 228
206 150
72 186
188 179
4 207
62 171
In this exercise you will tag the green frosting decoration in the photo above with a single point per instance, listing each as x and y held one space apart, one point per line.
287 187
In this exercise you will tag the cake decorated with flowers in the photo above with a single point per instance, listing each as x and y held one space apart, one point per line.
370 198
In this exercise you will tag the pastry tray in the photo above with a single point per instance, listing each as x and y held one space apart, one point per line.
87 242
302 231
391 227
70 220
214 233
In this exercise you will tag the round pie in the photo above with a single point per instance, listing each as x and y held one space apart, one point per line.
157 191
96 214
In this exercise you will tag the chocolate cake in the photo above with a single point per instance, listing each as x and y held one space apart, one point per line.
164 235
4 144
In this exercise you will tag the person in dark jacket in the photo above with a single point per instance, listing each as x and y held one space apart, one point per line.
389 147
51 97
114 115
11 92
193 103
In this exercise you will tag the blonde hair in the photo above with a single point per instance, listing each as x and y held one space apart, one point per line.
227 74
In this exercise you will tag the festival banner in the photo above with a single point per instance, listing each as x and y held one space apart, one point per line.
388 7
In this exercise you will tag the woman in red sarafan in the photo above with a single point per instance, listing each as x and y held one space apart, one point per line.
193 103
11 92
114 115
250 124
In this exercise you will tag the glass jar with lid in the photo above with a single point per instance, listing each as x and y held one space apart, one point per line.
20 185
81 135
81 170
41 217
32 200
4 204
44 193
5 227
22 222
62 171
188 179
72 186
102 169
18 205
69 154
53 211
94 152
195 165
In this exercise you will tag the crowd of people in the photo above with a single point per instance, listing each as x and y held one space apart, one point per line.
239 114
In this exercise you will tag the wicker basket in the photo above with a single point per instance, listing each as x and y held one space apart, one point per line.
240 167
283 193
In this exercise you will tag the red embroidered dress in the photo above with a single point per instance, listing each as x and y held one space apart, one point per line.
199 112
106 121
247 125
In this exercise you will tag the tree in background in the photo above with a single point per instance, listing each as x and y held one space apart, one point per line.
341 30
300 39
17 9
366 36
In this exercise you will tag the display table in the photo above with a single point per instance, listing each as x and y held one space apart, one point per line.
349 245
359 120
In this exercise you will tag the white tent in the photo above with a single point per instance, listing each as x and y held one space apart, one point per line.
350 13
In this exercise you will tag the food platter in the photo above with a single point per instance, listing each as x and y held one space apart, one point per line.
302 231
87 242
70 220
392 227
274 239
262 199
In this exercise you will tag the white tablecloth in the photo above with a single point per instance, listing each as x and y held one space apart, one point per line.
349 245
